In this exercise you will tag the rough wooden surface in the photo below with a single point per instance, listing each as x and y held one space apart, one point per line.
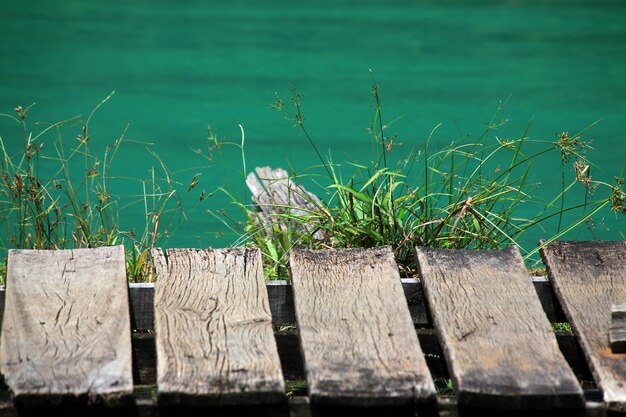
215 343
500 348
273 189
66 328
617 329
358 340
283 314
144 355
275 194
588 278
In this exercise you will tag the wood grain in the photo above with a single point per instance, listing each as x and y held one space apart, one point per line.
500 347
215 343
275 194
588 278
358 340
66 329
283 314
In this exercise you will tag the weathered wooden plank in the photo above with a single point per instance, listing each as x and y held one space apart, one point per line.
500 348
588 277
66 329
144 355
214 337
617 329
283 314
357 337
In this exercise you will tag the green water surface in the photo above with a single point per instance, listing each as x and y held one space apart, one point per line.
177 67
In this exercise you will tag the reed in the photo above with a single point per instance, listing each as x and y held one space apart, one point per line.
56 192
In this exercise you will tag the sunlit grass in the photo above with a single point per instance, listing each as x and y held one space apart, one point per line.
461 196
57 193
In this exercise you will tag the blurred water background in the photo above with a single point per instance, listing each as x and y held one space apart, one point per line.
178 67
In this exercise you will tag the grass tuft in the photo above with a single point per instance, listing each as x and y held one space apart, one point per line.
56 192
466 195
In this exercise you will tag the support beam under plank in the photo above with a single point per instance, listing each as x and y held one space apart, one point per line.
214 339
66 328
588 278
499 345
356 333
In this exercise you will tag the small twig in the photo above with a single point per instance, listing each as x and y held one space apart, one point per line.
465 206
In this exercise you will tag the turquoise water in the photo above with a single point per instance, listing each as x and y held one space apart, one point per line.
178 67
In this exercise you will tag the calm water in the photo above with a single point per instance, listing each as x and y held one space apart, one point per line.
177 67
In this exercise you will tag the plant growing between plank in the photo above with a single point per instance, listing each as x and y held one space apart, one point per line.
453 197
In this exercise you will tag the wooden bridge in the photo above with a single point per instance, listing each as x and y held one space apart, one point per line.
222 341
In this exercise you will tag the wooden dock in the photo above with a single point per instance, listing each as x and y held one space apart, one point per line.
212 337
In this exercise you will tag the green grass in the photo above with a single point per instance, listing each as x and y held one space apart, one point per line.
467 194
57 193
563 327
458 196
296 387
444 387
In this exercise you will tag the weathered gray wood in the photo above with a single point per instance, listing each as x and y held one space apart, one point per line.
214 343
617 329
283 314
500 348
144 355
275 194
66 329
588 277
274 191
358 340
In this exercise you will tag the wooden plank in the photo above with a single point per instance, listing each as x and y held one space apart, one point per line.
588 277
283 314
617 329
144 355
66 329
500 348
214 343
357 337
